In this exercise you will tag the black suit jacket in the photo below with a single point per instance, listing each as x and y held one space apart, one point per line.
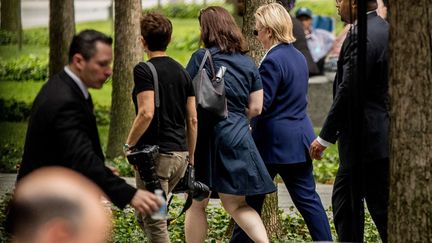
62 131
373 108
301 45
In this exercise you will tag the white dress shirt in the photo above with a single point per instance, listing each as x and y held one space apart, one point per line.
78 81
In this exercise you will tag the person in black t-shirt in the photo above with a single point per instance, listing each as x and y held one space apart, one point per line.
177 112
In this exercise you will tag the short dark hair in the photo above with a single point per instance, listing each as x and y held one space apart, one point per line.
25 216
84 43
156 30
219 29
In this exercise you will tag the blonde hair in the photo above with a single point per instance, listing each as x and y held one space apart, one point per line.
275 17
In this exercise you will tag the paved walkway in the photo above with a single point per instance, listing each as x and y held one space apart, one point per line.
7 182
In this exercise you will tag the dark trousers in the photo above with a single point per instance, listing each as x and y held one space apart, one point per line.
351 188
300 183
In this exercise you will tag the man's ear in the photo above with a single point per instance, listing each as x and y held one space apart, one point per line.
78 61
143 42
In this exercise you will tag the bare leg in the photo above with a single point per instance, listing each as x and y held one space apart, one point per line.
246 217
196 222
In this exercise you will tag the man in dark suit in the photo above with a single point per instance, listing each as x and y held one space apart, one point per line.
62 127
359 120
300 42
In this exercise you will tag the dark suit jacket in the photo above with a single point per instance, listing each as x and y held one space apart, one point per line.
62 131
301 45
373 98
283 132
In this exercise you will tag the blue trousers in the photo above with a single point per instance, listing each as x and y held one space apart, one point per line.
300 183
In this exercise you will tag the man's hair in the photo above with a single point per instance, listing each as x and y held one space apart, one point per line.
85 43
219 29
26 216
156 30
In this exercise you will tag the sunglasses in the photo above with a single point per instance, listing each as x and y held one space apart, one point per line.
255 31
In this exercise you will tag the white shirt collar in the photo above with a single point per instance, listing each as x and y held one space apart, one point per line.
78 81
265 55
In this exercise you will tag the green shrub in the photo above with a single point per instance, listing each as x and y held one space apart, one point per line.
6 37
181 10
37 36
185 11
24 68
15 111
4 200
126 229
12 110
325 170
10 157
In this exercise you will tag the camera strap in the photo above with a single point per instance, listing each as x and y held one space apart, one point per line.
186 206
156 91
188 202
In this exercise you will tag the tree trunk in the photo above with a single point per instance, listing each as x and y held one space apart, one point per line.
20 30
269 213
127 53
61 32
410 206
255 47
11 18
10 15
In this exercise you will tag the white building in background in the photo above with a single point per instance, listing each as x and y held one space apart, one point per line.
35 13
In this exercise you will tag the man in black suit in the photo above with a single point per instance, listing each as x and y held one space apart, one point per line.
300 43
62 127
359 120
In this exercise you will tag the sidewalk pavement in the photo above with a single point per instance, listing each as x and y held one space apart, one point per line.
7 182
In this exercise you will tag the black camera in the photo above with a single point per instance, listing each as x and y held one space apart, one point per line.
145 159
198 190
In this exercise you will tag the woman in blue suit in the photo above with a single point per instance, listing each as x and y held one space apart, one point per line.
283 131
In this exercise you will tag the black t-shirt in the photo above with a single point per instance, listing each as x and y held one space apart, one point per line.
175 86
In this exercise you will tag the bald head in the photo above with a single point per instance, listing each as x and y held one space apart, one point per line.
55 204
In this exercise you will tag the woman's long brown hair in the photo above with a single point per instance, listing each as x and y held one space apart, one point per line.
218 29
